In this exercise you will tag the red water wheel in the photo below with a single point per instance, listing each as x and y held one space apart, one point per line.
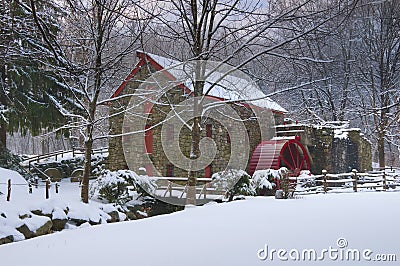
274 154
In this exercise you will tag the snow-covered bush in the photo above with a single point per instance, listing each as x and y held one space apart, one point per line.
264 182
306 180
12 162
234 182
122 186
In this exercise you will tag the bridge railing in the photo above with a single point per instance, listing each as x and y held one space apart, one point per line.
177 187
60 154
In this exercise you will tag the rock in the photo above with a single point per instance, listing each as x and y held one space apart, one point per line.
59 219
77 222
6 240
24 229
25 216
94 222
42 226
114 217
140 214
131 215
54 174
40 213
58 224
44 229
3 215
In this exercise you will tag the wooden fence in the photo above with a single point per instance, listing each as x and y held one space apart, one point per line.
384 179
29 185
61 154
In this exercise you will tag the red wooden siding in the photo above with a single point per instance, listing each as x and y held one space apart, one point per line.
149 169
207 171
148 139
209 130
170 170
148 107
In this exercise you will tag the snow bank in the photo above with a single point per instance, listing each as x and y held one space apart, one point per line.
226 234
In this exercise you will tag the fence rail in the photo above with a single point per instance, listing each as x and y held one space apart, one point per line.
326 182
166 186
29 185
61 153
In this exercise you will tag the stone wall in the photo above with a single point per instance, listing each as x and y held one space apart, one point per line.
336 154
117 110
135 148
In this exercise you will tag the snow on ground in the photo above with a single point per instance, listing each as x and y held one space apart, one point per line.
22 203
229 234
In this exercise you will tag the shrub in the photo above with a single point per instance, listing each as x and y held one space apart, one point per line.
234 182
122 186
264 182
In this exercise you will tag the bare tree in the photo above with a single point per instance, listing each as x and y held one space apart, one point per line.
379 62
235 32
97 37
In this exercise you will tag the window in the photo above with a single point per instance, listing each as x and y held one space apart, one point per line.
207 171
208 130
170 170
148 139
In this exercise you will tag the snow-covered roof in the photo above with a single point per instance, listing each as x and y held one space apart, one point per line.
232 86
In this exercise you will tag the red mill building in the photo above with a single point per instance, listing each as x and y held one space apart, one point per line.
297 147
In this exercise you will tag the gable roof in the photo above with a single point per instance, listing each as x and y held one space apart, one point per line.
220 82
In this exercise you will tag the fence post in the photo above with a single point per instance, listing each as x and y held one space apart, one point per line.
384 180
355 180
36 181
57 187
47 188
30 188
324 172
73 151
9 190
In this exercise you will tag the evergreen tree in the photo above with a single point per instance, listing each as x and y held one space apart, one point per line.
27 86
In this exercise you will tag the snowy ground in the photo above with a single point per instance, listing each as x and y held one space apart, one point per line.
229 234
22 203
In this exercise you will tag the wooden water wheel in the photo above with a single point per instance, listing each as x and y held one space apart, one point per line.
274 154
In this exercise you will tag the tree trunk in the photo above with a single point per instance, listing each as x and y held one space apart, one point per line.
195 134
93 102
3 135
86 172
381 150
3 101
194 154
